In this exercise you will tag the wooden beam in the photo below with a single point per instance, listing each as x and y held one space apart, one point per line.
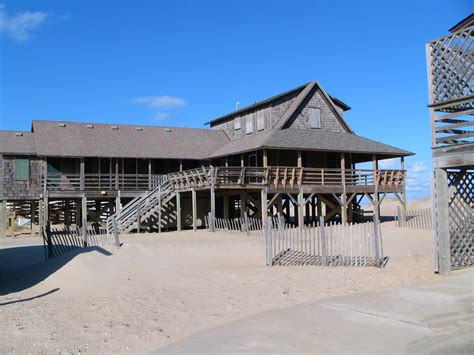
264 207
301 206
265 158
194 203
213 208
300 159
84 218
178 211
344 195
441 224
82 175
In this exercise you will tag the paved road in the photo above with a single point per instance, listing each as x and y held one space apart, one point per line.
435 318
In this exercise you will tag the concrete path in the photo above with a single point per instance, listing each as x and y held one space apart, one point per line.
435 318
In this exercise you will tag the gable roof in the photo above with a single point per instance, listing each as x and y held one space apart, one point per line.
75 139
265 102
17 142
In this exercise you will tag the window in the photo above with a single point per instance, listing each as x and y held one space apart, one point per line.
22 169
314 117
260 121
249 125
237 123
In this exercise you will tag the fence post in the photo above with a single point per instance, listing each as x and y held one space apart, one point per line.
210 222
399 214
49 240
377 243
115 231
247 227
269 242
322 235
138 218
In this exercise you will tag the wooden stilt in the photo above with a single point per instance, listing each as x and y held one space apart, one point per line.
84 218
178 211
194 203
264 207
441 222
300 208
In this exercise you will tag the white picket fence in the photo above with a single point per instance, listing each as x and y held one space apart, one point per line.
247 225
417 219
325 245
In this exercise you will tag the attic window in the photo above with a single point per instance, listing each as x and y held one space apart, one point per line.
249 125
167 129
19 134
114 128
89 126
237 124
138 129
314 117
61 125
260 121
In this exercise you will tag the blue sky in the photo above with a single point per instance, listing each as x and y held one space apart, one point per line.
184 62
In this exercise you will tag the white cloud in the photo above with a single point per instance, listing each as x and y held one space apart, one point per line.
389 163
159 101
419 167
18 27
162 116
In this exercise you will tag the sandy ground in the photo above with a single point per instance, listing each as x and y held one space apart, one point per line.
159 288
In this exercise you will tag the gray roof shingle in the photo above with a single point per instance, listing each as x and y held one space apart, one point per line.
17 142
77 140
317 140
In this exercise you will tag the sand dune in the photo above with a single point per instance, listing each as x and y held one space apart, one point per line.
159 288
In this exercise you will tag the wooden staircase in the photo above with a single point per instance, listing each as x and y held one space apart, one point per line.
143 208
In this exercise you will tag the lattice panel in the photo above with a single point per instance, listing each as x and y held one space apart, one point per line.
452 66
461 218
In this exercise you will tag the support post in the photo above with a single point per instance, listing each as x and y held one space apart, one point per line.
300 159
46 209
268 236
3 218
243 205
40 215
118 206
300 210
178 211
344 193
181 165
226 206
150 185
264 207
442 221
265 158
84 218
322 236
375 164
117 174
82 175
194 203
242 162
213 202
159 209
404 192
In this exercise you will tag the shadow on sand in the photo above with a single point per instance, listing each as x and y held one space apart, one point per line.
25 266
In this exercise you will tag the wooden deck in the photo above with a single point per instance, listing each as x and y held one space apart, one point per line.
290 179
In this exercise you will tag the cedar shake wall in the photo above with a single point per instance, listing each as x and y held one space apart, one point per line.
329 120
20 190
272 114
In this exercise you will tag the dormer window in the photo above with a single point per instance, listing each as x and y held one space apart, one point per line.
260 121
237 124
249 125
314 117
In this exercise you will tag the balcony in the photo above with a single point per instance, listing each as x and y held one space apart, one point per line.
102 182
451 90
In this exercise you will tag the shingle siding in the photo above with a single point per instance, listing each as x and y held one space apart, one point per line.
21 190
329 120
271 112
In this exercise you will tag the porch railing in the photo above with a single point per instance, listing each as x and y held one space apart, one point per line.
275 177
100 182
